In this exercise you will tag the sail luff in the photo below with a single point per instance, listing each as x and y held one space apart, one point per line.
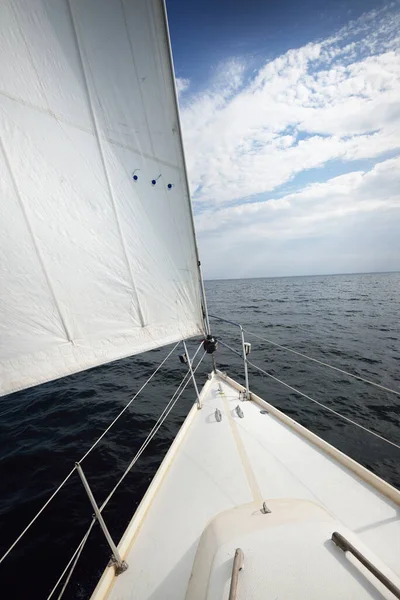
176 101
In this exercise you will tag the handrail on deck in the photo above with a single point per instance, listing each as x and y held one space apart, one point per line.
342 543
238 564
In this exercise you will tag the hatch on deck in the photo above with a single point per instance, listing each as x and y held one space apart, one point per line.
287 553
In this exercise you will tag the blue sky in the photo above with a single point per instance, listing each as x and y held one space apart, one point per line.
291 125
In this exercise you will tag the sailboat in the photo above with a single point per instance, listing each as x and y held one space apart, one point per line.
100 262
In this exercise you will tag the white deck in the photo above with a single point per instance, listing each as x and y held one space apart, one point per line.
216 466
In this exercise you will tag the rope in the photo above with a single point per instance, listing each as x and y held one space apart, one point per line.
325 407
156 427
320 362
129 403
37 515
75 556
230 348
87 453
177 394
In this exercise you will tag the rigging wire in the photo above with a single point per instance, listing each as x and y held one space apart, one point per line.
324 406
320 362
129 403
230 348
37 515
75 556
312 399
177 394
86 454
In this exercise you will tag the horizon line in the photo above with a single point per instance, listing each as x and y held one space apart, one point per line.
306 275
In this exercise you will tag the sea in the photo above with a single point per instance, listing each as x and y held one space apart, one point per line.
350 321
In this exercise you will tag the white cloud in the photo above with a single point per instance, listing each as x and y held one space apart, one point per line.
182 85
321 106
348 223
337 99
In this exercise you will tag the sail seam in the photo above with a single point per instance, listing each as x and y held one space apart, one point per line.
103 160
146 120
68 334
137 77
59 118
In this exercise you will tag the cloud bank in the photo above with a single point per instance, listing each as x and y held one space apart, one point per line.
267 149
182 85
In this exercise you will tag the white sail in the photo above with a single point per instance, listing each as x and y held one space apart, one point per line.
98 262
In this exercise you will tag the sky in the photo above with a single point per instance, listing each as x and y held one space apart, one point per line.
291 126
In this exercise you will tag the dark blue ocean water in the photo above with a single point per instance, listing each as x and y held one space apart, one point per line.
351 321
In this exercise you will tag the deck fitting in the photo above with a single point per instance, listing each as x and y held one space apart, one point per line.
120 567
239 412
264 509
